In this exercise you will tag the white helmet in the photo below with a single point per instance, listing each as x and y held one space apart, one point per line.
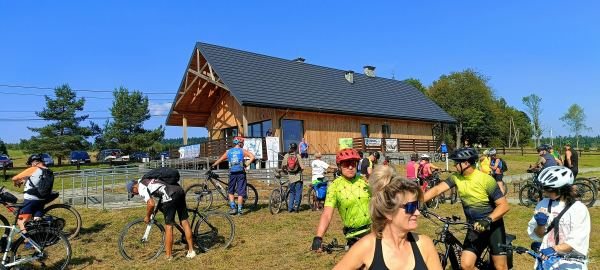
425 156
556 177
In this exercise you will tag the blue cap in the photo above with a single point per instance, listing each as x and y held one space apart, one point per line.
129 185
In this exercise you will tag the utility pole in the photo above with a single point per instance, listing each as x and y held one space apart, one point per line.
551 138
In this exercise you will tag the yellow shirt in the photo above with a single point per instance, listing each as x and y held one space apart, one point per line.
484 165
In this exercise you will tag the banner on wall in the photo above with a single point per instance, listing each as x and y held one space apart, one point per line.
372 142
272 151
391 145
345 143
254 146
189 151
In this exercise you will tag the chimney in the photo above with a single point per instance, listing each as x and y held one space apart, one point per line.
299 60
349 76
369 71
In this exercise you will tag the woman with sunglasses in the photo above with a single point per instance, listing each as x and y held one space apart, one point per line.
561 223
392 244
484 206
350 194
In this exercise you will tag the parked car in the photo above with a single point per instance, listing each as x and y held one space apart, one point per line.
5 161
48 161
163 153
112 156
80 157
139 156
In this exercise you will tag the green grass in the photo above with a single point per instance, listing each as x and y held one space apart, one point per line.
265 241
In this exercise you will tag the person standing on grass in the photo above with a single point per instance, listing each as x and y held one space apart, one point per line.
319 183
237 173
497 166
571 160
412 167
292 165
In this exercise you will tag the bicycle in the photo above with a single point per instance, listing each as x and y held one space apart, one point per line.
439 156
450 248
34 249
221 187
280 195
334 246
66 217
543 264
431 182
532 192
211 230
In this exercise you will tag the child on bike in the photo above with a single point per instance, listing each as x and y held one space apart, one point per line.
319 183
172 200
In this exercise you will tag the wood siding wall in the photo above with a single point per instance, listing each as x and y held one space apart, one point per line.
226 113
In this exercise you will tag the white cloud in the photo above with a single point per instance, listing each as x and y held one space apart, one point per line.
159 108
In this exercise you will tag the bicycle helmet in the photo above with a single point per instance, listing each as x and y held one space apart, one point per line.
238 139
346 154
556 177
425 156
541 147
465 153
34 157
492 151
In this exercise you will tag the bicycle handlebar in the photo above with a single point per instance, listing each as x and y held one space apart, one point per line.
532 253
454 220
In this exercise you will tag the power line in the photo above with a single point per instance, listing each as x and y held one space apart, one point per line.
42 119
40 95
84 90
16 111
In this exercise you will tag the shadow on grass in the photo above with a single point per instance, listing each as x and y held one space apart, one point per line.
96 228
80 261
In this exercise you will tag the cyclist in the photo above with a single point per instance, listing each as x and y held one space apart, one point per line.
367 164
571 160
484 206
496 165
237 173
172 201
443 149
392 244
293 165
561 223
412 167
546 159
33 206
555 154
350 194
319 183
425 168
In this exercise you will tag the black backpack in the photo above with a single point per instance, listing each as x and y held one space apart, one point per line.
504 166
44 188
167 175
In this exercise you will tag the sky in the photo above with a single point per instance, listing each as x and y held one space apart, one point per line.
547 48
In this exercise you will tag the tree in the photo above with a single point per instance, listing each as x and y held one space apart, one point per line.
466 96
3 148
574 119
64 134
533 104
126 131
416 84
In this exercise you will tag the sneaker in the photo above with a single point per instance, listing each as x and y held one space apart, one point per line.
233 211
191 254
239 212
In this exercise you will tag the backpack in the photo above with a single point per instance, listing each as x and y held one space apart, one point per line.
167 175
44 187
504 166
292 163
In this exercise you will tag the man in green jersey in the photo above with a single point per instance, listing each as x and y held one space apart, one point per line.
350 194
484 205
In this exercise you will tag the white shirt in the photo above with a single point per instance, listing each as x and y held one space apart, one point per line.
154 187
35 180
573 228
318 168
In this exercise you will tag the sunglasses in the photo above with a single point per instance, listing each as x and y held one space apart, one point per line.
348 163
411 207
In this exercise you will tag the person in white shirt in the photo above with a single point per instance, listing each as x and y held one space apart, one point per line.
319 183
568 234
172 200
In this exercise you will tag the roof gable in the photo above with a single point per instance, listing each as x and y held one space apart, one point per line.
260 80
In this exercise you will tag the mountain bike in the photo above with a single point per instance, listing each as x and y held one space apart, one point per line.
66 217
211 230
532 192
219 187
41 247
550 263
280 195
439 156
334 246
450 248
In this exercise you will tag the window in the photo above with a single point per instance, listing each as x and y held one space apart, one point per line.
259 129
229 132
293 131
386 132
364 130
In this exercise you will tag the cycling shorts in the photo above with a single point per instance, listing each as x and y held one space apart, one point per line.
477 242
175 205
33 207
237 184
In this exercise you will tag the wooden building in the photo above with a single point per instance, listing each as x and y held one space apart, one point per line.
233 92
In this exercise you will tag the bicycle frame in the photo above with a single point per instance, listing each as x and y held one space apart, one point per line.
14 231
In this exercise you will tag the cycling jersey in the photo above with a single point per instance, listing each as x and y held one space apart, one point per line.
478 193
351 198
235 156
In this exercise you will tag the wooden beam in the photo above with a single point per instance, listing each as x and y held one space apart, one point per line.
245 121
212 91
184 122
191 113
200 89
212 75
202 76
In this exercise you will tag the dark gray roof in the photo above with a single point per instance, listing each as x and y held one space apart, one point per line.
266 81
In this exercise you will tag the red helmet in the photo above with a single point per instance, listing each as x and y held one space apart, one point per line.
346 154
238 139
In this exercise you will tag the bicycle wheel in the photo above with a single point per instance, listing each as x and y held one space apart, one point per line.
55 247
436 157
214 230
433 203
192 197
443 158
585 193
64 218
134 247
529 195
275 201
251 199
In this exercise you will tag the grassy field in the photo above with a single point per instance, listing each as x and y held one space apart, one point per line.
264 241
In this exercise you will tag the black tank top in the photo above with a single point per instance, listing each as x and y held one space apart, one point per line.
378 262
574 160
